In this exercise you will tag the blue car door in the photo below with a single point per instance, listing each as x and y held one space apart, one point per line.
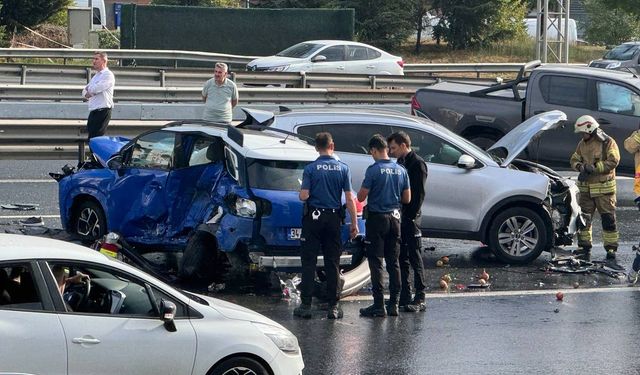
137 203
191 184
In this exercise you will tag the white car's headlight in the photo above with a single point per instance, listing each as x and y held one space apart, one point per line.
282 338
614 65
245 207
280 68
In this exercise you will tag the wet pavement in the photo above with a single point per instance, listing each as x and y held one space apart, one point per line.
591 332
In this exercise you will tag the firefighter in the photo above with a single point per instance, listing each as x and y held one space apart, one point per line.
632 144
323 183
596 158
386 184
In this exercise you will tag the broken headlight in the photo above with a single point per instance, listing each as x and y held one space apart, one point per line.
244 207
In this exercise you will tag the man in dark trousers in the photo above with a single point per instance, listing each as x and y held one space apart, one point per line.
386 184
99 95
411 236
323 183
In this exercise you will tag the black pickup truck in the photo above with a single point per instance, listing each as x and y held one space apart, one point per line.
484 113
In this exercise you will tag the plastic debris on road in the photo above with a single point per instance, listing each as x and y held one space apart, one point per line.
571 264
290 290
19 206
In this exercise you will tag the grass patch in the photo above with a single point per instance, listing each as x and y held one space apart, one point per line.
503 52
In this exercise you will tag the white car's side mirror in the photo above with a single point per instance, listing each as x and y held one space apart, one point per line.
319 58
466 162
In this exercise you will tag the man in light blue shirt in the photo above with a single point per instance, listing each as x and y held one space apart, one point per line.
220 95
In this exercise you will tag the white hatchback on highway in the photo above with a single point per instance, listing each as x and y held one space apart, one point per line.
119 320
331 56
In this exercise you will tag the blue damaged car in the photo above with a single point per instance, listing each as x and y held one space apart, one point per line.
224 195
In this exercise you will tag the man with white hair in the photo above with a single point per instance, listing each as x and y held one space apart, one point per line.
99 94
220 95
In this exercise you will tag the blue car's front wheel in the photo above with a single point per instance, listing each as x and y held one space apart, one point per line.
89 221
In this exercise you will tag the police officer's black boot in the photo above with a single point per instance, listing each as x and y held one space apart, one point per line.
405 298
418 303
335 312
375 310
392 308
303 311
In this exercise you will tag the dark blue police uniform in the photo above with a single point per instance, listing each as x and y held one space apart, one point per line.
326 179
385 181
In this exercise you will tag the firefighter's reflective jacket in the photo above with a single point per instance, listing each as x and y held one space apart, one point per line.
602 152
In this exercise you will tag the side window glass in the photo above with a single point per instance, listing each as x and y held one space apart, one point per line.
158 295
354 138
231 163
373 54
206 150
567 91
101 290
153 150
310 130
357 52
431 148
18 288
617 99
335 53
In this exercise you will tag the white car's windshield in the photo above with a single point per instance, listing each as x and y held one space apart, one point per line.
300 50
622 52
275 174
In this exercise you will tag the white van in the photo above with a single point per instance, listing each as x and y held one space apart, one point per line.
99 13
552 29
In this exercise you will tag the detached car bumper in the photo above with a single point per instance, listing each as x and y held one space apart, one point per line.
268 261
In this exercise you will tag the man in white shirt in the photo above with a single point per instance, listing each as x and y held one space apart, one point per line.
99 93
220 95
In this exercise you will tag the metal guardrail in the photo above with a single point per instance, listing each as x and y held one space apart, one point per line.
194 77
44 130
126 54
194 94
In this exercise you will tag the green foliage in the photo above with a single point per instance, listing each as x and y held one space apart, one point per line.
383 23
610 25
29 12
107 39
627 6
201 3
293 4
467 23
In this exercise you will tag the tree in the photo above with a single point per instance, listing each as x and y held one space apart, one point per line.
626 6
419 11
29 12
610 25
467 23
291 3
384 23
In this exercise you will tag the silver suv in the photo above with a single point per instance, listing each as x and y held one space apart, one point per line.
517 207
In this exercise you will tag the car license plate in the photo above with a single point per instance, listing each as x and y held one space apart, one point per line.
294 233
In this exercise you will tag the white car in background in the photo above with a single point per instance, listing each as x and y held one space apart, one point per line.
123 321
331 56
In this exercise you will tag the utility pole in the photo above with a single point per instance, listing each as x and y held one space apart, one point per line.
553 18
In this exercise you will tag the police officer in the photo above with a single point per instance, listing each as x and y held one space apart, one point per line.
386 184
411 236
596 158
323 182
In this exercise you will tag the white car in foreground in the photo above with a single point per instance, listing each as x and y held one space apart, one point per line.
123 321
331 56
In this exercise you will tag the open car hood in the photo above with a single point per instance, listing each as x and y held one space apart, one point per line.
514 142
103 148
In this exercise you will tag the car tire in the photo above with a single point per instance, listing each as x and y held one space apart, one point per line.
89 221
239 365
199 259
517 235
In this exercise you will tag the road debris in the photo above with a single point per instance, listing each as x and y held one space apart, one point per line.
560 296
571 264
20 206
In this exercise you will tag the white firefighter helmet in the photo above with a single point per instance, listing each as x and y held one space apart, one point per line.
586 124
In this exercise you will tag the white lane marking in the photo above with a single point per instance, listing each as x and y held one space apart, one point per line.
508 293
27 181
26 216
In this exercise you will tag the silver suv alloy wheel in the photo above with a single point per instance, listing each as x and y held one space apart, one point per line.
518 236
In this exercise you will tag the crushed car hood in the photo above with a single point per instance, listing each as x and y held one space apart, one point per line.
103 148
519 138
